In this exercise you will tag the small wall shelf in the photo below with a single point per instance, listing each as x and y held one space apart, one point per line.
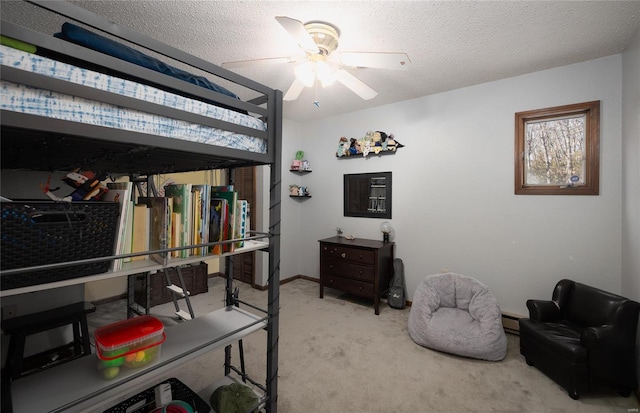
299 167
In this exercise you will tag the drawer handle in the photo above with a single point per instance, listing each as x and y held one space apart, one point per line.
344 255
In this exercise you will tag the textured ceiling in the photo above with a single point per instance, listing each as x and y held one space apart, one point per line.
451 44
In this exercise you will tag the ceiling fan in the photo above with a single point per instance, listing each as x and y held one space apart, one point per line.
319 41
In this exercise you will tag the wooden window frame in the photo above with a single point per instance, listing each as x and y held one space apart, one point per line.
352 180
591 186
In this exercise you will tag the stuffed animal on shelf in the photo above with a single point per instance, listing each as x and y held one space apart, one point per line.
385 144
376 143
343 146
296 164
391 144
366 143
87 184
354 147
367 148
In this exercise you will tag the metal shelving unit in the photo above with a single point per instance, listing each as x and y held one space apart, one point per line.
52 144
83 388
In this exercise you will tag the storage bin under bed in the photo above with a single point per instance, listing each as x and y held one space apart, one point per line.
43 232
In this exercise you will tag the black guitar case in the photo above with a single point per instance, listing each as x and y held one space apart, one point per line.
397 297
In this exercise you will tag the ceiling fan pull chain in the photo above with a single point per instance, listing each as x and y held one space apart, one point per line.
316 102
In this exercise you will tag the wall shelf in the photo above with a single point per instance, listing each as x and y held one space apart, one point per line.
371 153
294 189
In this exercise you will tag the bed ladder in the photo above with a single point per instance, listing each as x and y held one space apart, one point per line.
178 292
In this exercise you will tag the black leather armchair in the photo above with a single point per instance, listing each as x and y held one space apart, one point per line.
583 339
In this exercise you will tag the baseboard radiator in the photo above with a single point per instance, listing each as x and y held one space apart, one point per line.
510 322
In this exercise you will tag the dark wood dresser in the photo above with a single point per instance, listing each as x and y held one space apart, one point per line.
361 267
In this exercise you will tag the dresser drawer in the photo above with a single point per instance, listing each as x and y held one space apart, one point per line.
357 255
349 270
349 286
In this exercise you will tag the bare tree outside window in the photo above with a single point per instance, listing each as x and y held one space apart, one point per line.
557 150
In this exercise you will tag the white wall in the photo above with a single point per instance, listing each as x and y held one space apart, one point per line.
631 169
631 176
453 200
293 211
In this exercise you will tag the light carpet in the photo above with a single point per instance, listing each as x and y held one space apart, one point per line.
336 355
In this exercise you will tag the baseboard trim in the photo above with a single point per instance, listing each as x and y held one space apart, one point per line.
510 322
219 274
266 287
408 303
111 299
302 277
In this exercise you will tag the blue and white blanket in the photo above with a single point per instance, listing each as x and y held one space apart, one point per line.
25 99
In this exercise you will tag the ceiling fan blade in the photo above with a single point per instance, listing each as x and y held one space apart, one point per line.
355 84
395 61
299 33
257 62
294 90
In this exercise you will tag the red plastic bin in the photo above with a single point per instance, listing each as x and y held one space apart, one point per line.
128 344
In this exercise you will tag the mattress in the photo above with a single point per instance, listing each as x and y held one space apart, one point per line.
25 99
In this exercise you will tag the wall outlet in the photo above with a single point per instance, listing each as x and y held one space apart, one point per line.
9 311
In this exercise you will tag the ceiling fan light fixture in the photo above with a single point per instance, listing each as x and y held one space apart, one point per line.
325 73
306 73
325 36
319 39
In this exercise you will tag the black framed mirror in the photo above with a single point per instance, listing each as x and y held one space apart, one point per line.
367 195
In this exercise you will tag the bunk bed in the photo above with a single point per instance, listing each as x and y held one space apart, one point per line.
52 90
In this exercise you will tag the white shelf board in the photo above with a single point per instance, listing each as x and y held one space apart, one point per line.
250 245
77 386
133 267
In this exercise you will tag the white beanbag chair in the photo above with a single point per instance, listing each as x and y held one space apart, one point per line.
458 315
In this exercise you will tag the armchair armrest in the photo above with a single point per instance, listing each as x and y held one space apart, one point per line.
543 310
619 330
610 353
593 337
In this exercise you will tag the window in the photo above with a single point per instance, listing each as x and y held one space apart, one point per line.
557 150
367 195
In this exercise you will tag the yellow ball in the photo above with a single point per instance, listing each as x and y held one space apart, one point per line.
111 372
